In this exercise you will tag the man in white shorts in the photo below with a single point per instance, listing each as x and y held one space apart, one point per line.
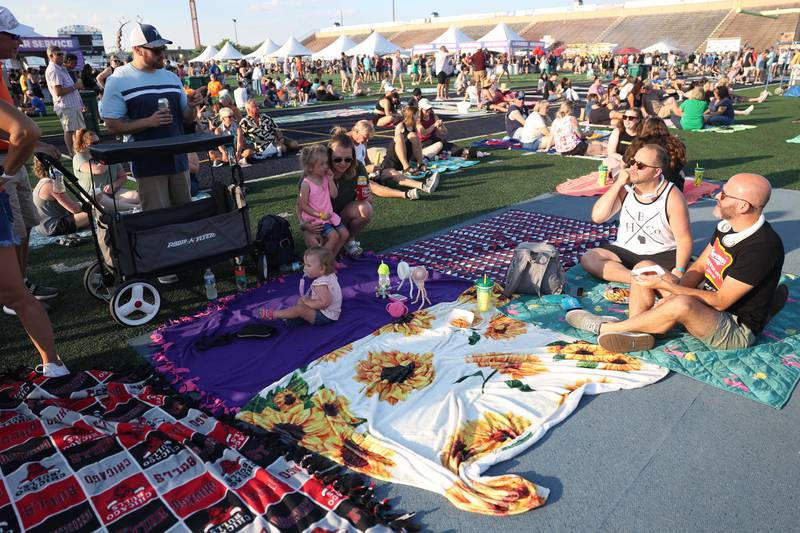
67 101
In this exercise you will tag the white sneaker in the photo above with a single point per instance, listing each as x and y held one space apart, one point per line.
52 370
748 110
217 163
243 162
412 194
168 280
431 183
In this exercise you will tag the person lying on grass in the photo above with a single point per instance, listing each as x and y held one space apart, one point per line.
323 302
725 298
654 220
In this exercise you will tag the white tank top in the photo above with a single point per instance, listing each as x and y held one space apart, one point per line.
644 228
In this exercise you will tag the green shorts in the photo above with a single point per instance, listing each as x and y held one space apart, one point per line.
729 334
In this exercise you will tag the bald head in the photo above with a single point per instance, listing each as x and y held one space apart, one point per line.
753 188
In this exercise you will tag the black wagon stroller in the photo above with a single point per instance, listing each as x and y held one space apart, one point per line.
133 248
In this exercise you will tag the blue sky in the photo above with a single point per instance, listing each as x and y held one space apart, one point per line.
277 19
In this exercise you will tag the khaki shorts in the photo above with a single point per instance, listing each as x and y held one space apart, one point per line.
71 119
20 197
166 190
729 334
479 76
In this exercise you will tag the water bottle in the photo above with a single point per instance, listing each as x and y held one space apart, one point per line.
211 284
240 276
58 180
383 279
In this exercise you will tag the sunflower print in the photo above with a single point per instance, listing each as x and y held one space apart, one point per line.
515 365
502 495
502 327
578 384
335 408
470 296
286 399
480 437
583 351
416 324
304 426
363 453
394 375
337 354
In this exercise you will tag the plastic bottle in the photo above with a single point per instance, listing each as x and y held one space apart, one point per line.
383 279
211 284
240 275
362 185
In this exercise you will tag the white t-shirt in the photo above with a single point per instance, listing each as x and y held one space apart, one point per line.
443 63
531 131
361 153
240 96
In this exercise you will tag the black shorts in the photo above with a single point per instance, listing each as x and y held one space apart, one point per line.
665 260
580 149
64 226
442 77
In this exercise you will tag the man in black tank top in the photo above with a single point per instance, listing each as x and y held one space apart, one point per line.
724 299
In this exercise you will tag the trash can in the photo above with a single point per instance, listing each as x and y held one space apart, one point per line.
634 69
195 82
92 115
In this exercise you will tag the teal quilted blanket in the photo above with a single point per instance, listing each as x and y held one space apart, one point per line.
766 372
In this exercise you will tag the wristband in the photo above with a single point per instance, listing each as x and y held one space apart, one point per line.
681 270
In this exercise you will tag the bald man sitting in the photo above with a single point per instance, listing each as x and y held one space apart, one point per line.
725 298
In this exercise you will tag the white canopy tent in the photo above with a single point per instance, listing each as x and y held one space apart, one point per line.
503 39
658 48
228 53
375 44
266 48
452 39
335 49
291 48
205 55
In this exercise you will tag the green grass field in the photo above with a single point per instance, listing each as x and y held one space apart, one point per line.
88 337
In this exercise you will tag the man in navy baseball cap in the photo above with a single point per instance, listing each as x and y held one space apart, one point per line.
147 36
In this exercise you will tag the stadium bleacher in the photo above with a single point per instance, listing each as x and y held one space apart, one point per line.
679 30
759 32
568 31
315 44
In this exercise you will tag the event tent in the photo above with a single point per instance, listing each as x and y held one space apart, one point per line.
658 48
452 39
375 44
266 48
335 49
227 53
503 39
291 48
205 55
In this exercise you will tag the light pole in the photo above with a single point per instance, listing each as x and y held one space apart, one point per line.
235 32
392 10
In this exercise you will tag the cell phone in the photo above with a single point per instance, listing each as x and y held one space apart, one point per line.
652 270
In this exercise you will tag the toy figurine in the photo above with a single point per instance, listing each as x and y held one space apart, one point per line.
419 275
403 271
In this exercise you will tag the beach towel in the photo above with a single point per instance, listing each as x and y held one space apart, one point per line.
433 406
795 140
229 373
106 451
487 247
766 372
733 128
352 111
452 164
587 186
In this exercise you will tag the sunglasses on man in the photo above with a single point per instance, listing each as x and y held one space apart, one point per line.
156 50
639 165
723 195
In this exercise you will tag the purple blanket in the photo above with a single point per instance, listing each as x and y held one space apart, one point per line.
228 376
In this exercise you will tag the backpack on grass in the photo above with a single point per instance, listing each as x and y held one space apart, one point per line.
534 269
275 237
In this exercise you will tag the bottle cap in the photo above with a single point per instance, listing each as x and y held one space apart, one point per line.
383 269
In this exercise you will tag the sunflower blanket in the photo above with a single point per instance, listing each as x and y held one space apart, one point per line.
766 372
427 404
105 451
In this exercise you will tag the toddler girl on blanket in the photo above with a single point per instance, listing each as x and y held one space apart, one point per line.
316 191
324 303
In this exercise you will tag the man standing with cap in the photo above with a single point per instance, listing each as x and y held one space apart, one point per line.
131 107
67 101
16 295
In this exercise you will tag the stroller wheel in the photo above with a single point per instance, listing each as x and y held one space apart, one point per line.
135 303
262 266
94 284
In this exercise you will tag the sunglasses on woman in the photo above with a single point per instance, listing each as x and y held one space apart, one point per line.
629 117
342 159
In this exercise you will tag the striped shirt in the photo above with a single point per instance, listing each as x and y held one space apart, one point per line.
56 75
133 94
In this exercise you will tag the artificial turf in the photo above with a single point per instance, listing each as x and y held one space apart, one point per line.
88 337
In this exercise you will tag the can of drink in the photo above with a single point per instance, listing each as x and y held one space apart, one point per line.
362 186
163 103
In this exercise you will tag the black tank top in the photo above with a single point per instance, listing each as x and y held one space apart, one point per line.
379 108
625 141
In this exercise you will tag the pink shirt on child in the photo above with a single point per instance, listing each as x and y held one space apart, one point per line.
335 308
319 199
